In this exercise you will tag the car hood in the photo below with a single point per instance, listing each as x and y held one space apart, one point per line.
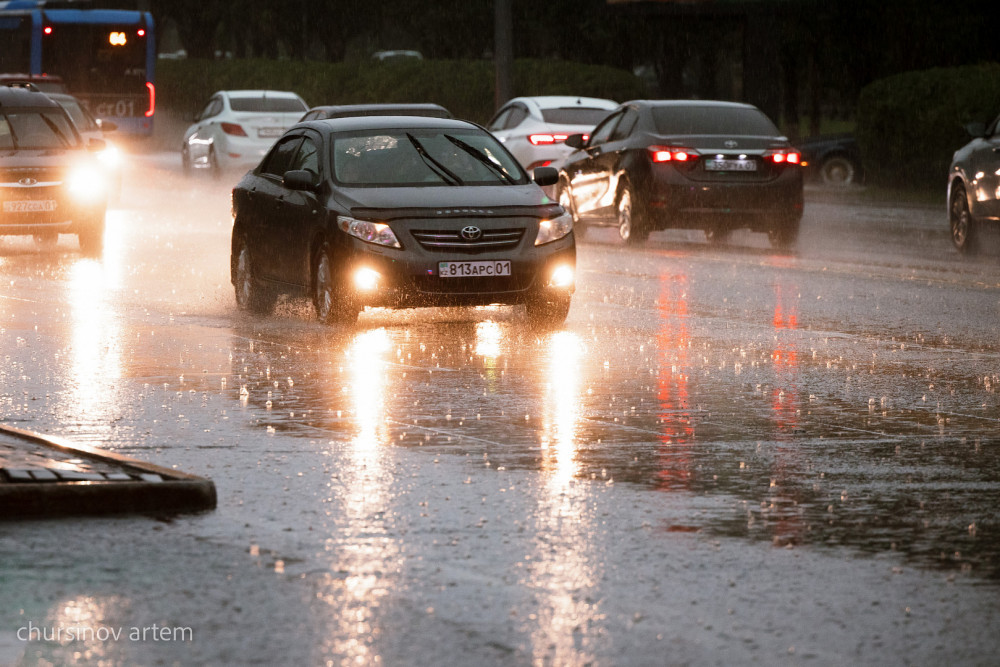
446 201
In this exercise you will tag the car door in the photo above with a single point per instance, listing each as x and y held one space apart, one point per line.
590 177
985 163
298 212
266 199
199 139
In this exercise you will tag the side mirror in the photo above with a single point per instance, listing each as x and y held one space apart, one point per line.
106 125
299 179
544 176
976 130
576 141
95 145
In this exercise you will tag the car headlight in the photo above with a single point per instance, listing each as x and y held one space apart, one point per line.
86 183
372 232
111 156
555 229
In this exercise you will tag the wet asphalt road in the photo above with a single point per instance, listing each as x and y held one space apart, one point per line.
727 455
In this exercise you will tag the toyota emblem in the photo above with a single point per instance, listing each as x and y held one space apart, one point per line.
27 181
731 144
471 233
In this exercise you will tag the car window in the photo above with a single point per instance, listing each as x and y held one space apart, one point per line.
575 115
603 131
625 125
280 159
516 117
498 121
41 130
695 119
80 118
312 115
307 158
264 104
423 157
213 108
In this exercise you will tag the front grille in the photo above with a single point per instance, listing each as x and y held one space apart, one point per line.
14 175
450 240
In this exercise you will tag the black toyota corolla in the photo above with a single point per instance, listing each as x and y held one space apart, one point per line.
399 212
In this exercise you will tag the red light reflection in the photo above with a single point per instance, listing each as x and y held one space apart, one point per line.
673 341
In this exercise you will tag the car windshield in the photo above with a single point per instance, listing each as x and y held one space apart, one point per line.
41 130
81 119
575 115
266 104
713 120
423 157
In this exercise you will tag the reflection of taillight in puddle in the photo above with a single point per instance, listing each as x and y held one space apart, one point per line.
673 340
785 357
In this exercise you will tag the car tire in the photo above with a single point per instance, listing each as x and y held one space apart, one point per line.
250 296
547 312
784 235
332 305
46 241
838 171
631 228
565 199
964 230
90 235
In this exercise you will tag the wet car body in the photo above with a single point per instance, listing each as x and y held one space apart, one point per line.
350 227
347 110
664 164
974 186
50 181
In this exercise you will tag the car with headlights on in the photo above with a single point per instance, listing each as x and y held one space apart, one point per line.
50 181
399 212
684 164
236 128
974 186
89 127
534 128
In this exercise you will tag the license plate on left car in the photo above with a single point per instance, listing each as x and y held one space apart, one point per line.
269 132
730 165
496 267
29 206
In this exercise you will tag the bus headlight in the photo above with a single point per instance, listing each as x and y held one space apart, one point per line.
555 229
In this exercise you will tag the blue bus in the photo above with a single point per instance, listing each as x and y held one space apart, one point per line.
105 57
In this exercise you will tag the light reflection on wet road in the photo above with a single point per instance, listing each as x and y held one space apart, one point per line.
844 397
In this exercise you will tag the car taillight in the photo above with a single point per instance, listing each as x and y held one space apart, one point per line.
544 139
234 129
671 154
790 156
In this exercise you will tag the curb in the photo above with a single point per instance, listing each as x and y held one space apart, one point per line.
54 477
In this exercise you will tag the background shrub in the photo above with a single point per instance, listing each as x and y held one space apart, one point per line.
909 125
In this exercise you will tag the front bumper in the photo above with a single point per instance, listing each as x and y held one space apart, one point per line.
44 209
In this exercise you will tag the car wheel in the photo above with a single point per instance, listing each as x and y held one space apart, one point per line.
717 235
565 200
547 312
784 235
630 227
838 171
46 240
91 237
332 305
963 225
250 296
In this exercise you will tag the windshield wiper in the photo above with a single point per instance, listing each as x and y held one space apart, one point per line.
482 157
442 171
55 129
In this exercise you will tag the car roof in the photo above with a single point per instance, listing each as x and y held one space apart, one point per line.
386 109
352 123
563 101
258 93
18 96
721 104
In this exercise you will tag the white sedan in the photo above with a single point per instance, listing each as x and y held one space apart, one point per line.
237 127
534 128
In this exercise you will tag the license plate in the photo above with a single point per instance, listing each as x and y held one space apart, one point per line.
730 165
269 132
29 206
499 267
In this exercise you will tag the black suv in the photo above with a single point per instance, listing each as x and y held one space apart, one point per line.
50 182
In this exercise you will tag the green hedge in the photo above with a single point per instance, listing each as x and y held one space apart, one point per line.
463 87
909 125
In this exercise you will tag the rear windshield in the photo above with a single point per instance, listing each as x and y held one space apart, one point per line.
575 115
267 104
423 157
713 120
42 130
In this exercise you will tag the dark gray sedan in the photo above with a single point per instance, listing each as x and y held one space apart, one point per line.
399 212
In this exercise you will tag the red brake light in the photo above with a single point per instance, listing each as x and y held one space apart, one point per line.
141 33
539 139
152 99
233 129
790 156
47 30
671 154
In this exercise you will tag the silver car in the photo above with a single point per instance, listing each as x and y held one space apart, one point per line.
974 186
